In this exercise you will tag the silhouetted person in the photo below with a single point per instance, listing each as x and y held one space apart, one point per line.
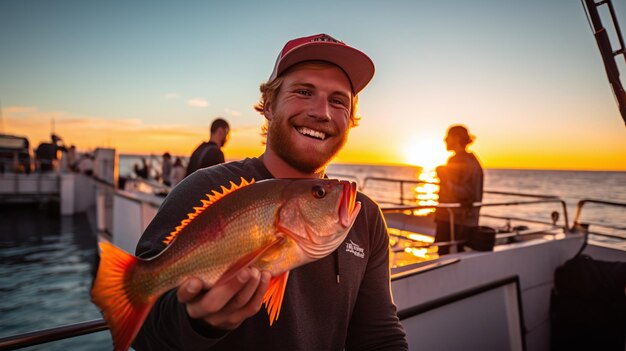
142 172
210 153
178 172
461 181
72 158
166 168
85 164
46 155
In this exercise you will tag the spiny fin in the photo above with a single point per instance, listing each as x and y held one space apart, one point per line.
123 311
205 204
247 260
273 298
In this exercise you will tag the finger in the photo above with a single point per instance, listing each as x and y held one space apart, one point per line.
218 296
189 289
245 294
230 317
257 299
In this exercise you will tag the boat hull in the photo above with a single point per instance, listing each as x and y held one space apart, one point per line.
484 299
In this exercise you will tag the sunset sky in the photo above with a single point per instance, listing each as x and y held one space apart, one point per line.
147 77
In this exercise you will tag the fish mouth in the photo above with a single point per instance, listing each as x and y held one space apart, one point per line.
348 207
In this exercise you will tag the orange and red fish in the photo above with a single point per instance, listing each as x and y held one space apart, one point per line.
274 225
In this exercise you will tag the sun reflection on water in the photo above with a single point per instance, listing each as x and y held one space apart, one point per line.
410 247
426 193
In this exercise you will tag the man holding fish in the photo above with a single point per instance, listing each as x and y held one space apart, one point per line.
312 250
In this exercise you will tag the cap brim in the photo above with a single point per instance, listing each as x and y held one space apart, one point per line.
358 66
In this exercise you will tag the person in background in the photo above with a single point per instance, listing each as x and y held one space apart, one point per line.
85 164
166 168
143 170
72 158
210 153
461 181
341 301
47 154
178 172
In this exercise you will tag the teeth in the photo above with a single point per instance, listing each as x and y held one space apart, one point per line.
311 132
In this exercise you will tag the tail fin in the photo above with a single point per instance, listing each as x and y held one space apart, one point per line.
123 310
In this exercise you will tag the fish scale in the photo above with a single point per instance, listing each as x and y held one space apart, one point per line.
207 261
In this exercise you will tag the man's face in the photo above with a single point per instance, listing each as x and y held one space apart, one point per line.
309 121
225 136
449 142
452 142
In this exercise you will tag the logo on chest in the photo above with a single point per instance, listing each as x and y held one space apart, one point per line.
355 249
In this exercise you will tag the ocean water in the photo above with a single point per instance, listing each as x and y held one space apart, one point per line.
47 262
127 162
46 269
569 186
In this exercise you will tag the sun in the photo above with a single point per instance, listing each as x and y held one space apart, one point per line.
427 153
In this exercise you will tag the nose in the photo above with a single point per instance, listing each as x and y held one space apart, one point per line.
320 108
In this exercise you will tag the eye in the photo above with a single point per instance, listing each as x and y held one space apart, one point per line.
319 191
303 92
338 101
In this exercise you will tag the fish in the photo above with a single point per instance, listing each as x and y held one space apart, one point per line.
275 225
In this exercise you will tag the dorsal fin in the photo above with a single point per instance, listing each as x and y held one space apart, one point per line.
212 198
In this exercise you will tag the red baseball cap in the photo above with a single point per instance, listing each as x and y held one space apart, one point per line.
358 66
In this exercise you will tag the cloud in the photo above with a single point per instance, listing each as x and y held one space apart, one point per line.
170 96
198 102
126 135
232 112
86 132
19 109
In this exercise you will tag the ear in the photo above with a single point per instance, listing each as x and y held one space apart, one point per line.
267 110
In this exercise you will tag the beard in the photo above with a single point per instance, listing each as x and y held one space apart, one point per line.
301 159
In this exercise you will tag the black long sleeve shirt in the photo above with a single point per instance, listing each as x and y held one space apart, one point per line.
461 181
319 311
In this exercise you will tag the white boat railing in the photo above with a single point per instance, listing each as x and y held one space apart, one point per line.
44 336
603 232
511 233
35 186
399 201
87 327
123 215
584 226
400 198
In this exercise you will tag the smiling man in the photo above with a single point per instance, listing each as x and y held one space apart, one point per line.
309 121
342 301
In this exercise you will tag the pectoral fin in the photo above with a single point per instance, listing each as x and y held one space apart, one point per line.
273 298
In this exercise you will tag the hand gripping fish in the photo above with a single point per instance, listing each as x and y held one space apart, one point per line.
274 225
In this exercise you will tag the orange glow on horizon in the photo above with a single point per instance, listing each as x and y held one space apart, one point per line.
131 136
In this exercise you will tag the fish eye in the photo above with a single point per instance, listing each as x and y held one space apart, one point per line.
319 191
